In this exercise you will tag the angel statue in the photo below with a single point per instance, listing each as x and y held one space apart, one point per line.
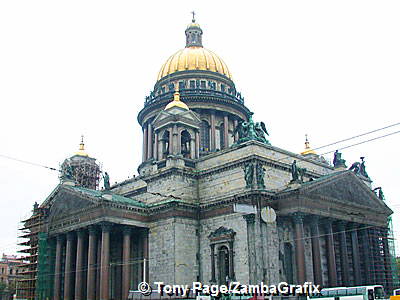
261 131
250 131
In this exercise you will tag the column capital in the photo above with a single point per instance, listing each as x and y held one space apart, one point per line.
341 225
106 226
326 222
92 229
80 232
298 217
126 229
60 237
70 235
314 219
250 218
354 226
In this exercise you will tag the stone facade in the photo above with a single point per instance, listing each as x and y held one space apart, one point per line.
179 221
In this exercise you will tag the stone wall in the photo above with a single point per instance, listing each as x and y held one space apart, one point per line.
172 251
237 223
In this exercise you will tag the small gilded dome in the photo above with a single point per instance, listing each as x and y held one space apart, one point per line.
176 102
193 25
307 149
81 151
194 56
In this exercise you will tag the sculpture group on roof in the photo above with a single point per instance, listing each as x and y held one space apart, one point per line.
338 161
297 173
359 168
251 130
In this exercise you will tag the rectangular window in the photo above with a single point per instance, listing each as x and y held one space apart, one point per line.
223 88
203 84
192 84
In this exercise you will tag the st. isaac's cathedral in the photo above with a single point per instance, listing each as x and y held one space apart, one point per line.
214 202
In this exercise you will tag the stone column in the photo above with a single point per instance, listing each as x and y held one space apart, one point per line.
171 145
126 265
226 134
344 259
213 279
155 146
251 251
197 150
146 253
149 141
316 250
79 266
356 254
57 269
105 262
330 253
212 132
192 148
68 284
91 275
144 155
98 267
368 262
231 262
299 243
161 148
235 124
178 138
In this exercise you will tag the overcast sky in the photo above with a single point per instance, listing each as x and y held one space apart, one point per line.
326 68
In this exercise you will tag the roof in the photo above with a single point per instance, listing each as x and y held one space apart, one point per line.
104 193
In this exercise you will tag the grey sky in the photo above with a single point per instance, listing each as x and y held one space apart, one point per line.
326 68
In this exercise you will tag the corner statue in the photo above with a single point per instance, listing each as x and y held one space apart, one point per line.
338 161
359 168
249 131
298 174
106 180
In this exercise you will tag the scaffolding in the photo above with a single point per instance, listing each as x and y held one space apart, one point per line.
392 252
85 171
30 233
44 278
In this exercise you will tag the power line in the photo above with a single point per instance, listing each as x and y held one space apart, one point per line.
28 162
356 136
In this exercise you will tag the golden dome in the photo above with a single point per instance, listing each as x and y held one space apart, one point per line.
176 102
194 58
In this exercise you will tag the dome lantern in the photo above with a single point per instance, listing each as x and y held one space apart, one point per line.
193 34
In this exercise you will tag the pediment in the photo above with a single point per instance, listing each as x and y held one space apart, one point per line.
344 187
65 201
171 116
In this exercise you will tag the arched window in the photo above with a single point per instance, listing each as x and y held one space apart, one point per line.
185 143
222 262
204 136
165 144
223 265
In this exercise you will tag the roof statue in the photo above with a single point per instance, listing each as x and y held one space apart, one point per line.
338 162
106 179
379 193
359 168
297 173
250 130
